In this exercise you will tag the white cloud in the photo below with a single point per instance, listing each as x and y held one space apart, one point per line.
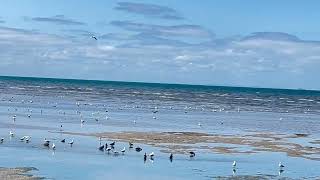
250 61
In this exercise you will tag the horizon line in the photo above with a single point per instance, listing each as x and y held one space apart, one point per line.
156 83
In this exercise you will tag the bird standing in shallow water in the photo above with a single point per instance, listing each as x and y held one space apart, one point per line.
63 140
234 164
1 140
11 134
281 166
101 148
192 154
46 142
71 142
130 145
145 157
53 146
138 149
123 150
171 157
151 155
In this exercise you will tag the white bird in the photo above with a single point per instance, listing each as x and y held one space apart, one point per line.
27 139
53 146
11 133
154 117
82 121
234 164
199 124
22 138
281 165
14 117
151 155
108 149
71 142
123 150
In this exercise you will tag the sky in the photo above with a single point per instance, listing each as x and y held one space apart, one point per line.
267 43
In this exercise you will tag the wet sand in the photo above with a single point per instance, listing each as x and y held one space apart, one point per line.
19 173
183 142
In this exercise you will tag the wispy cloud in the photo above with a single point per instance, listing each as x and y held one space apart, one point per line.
58 19
159 30
149 10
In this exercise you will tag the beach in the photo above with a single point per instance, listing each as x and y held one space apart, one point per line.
257 128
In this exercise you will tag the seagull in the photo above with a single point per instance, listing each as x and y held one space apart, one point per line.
108 149
14 118
123 150
11 133
22 138
116 153
46 142
28 139
82 121
130 145
53 146
154 117
145 157
171 157
101 148
29 115
112 144
71 142
138 149
192 154
63 140
199 124
234 164
151 155
1 140
281 165
94 37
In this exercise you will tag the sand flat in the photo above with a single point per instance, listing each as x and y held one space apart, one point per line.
18 173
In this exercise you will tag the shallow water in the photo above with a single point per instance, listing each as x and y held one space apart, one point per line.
228 111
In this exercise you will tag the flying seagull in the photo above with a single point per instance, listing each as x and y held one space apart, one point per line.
94 37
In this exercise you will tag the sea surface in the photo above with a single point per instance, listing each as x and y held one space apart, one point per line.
108 106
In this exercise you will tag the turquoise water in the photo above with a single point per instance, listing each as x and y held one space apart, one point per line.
220 110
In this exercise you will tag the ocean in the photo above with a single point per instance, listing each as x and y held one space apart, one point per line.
109 106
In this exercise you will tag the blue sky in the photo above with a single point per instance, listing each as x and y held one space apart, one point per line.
267 43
